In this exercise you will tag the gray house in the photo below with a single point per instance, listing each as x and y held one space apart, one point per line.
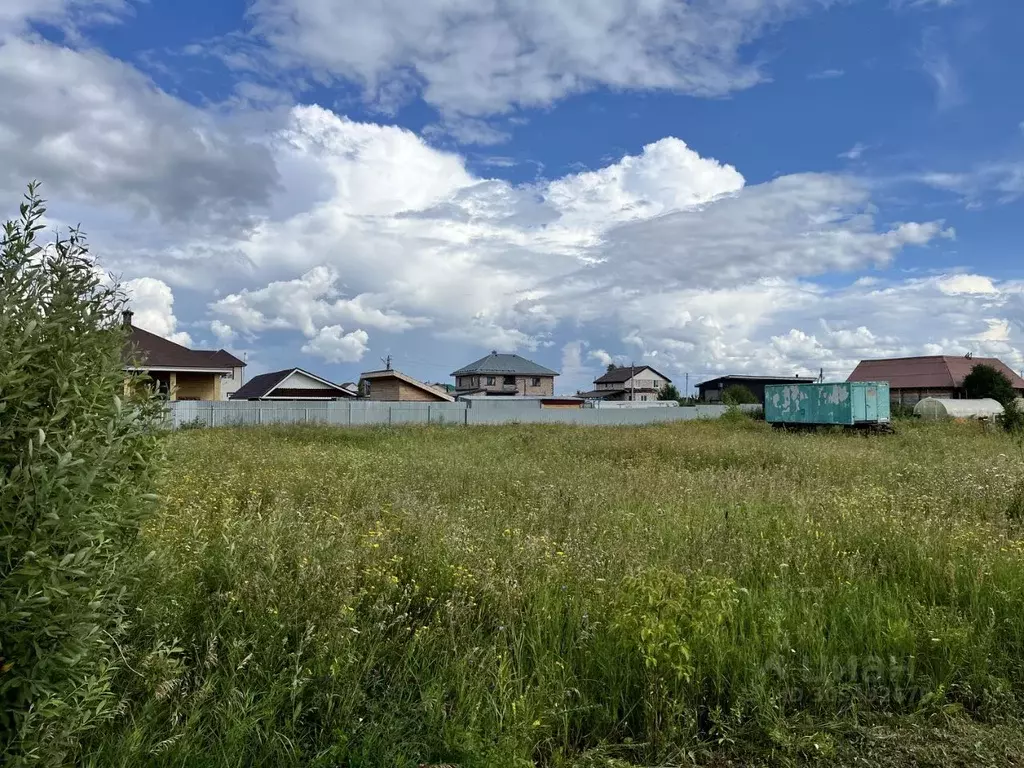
504 375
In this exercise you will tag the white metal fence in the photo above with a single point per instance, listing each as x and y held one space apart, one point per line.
364 413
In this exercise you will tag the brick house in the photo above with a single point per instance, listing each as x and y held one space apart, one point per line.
501 374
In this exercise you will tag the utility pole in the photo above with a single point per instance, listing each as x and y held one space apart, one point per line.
632 385
687 391
387 362
821 375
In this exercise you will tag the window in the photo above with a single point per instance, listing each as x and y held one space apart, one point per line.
366 388
490 381
535 381
509 381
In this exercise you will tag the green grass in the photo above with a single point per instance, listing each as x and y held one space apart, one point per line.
701 592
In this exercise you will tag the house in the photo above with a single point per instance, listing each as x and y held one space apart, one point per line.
710 391
635 383
915 378
178 372
394 386
292 384
505 375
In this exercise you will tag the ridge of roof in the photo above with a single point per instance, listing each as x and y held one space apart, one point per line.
260 386
625 373
505 364
928 371
371 375
155 351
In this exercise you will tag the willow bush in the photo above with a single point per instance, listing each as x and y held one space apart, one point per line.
76 474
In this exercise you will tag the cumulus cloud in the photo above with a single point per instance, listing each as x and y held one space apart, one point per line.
664 248
98 131
306 304
152 301
335 346
481 58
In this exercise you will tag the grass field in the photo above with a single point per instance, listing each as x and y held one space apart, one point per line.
509 596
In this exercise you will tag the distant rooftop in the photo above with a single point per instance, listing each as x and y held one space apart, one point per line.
928 372
624 373
505 365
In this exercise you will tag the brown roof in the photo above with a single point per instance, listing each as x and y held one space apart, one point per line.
930 372
393 374
625 372
149 350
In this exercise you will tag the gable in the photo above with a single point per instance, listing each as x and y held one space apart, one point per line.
301 380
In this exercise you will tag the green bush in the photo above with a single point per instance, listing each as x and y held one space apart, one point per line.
76 464
737 394
1012 418
986 381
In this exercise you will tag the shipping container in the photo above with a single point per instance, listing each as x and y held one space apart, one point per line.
847 404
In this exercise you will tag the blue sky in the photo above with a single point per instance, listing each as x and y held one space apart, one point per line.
706 186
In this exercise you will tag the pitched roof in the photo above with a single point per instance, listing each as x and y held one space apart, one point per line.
393 374
149 350
505 365
263 385
625 372
765 379
928 372
599 394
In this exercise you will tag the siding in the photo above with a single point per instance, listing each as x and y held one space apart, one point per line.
363 412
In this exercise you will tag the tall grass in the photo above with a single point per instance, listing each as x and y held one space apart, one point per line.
527 594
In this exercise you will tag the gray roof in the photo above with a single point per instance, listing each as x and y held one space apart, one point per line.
505 365
624 373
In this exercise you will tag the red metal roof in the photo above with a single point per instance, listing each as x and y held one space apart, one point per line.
930 372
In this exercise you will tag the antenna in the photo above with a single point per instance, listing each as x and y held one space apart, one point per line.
387 362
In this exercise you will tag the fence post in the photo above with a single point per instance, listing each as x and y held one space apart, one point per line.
259 413
305 415
213 416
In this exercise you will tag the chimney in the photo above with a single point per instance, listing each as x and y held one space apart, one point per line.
126 318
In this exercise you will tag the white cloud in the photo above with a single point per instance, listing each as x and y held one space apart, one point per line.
152 301
98 132
15 15
306 304
224 332
923 3
335 346
937 65
479 58
826 74
399 236
854 152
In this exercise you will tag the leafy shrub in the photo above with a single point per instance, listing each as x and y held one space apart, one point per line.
669 392
75 468
901 411
1012 418
737 394
986 381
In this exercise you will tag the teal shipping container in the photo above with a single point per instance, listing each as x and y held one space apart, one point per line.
849 404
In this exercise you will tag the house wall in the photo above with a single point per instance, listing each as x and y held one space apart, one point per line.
299 380
396 390
912 396
196 386
523 384
231 384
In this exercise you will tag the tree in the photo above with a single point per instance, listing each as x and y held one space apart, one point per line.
669 392
737 394
986 381
77 460
610 367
